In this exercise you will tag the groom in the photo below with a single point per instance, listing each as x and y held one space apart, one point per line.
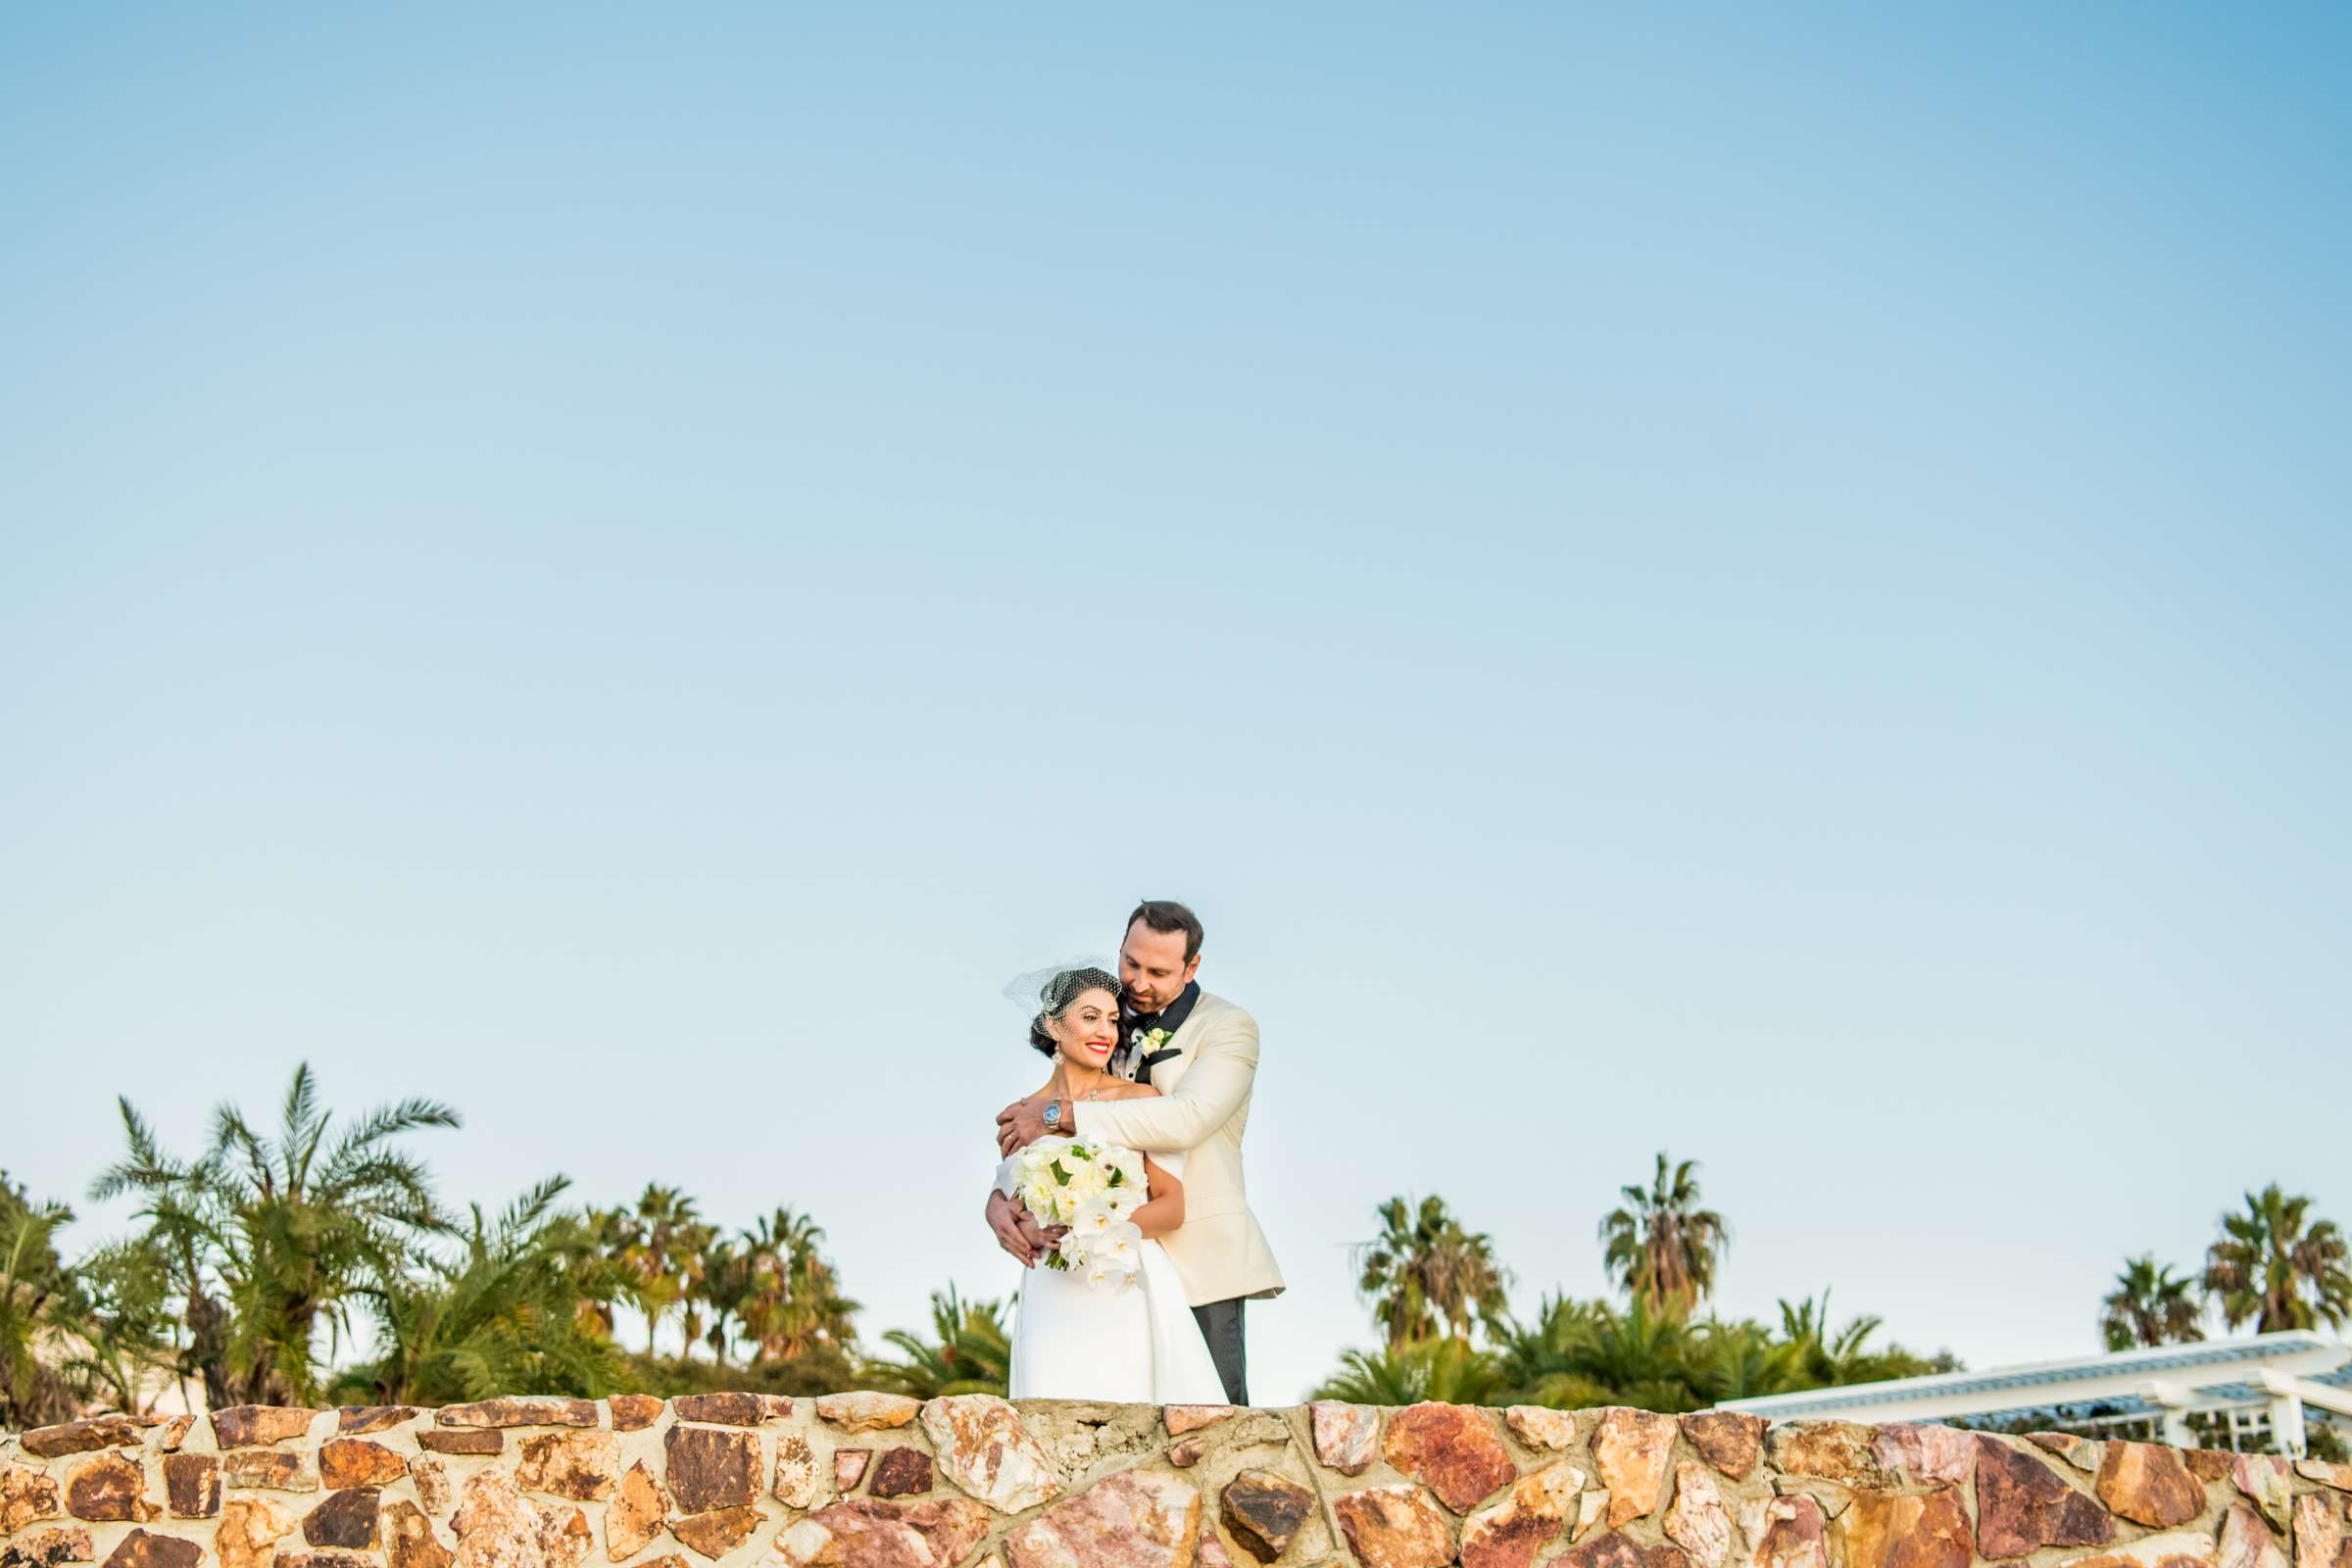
1201 1052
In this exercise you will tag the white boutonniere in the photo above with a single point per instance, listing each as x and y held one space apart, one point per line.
1145 1044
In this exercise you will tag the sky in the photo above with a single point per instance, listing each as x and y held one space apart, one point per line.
1765 585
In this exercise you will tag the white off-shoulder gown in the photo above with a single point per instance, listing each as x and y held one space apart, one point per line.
1136 1346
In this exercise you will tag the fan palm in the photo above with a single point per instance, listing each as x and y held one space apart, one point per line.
32 1278
663 1250
1447 1370
270 1238
1661 1245
499 1317
2277 1266
792 1302
968 1351
1424 1274
2149 1306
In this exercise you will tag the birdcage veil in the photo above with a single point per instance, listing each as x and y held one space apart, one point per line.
1043 994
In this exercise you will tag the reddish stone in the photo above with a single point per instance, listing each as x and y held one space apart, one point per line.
2208 1464
2246 1541
268 1470
432 1440
1181 1418
1130 1519
2180 1548
1630 1447
725 1409
1186 1452
800 1474
84 1437
1346 1434
901 1473
849 1468
583 1466
564 1536
1729 1440
2023 1505
2327 1472
1395 1527
1828 1450
1794 1535
26 1493
358 1420
865 1534
1264 1511
175 1432
1699 1521
714 1535
345 1462
634 1412
866 1412
711 1469
1897 1530
2147 1484
637 1516
192 1485
1542 1427
529 1412
1927 1454
140 1550
2266 1478
1614 1550
324 1558
409 1539
1454 1450
2320 1539
432 1477
46 1548
250 1529
109 1488
246 1426
1528 1520
345 1519
986 1448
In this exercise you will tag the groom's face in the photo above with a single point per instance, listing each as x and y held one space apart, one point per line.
1153 967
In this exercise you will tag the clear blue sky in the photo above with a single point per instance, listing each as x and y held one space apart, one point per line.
1768 586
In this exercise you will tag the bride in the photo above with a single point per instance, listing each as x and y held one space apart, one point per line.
1079 1340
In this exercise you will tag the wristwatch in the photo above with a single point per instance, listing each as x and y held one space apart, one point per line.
1052 1114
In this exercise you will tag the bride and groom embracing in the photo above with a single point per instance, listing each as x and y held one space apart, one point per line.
1121 1189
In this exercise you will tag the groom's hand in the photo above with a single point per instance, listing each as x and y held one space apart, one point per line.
1018 1230
1020 1124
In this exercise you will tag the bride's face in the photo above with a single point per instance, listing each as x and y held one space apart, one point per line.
1090 1030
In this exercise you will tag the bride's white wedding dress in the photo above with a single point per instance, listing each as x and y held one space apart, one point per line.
1134 1346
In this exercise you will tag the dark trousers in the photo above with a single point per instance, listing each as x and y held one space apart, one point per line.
1221 1325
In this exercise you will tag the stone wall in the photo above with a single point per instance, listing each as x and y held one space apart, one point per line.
877 1481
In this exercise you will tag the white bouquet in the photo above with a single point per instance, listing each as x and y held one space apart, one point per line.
1095 1190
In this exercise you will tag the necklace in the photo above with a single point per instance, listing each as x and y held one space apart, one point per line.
1062 1080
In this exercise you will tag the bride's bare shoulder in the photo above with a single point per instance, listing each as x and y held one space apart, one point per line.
1137 1092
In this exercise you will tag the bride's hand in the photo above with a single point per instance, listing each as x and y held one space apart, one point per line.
1018 1230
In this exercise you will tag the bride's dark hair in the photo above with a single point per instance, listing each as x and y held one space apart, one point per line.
1055 996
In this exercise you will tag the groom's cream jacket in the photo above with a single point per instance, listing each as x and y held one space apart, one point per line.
1218 1251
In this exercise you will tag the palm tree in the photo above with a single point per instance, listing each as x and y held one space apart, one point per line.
1662 1246
2149 1306
499 1317
793 1302
1447 1370
32 1278
969 1352
2275 1267
271 1239
1424 1272
665 1241
724 1285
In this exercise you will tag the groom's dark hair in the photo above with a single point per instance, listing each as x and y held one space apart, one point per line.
1166 914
